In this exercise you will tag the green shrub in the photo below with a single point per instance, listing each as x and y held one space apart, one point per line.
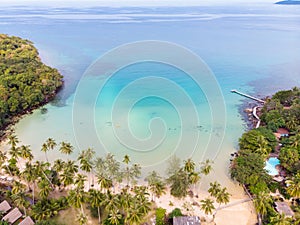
175 213
160 216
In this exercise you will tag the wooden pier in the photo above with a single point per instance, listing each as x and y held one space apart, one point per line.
254 112
247 96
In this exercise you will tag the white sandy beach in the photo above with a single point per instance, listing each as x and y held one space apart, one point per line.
236 211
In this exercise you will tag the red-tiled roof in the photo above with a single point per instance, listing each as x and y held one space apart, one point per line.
283 131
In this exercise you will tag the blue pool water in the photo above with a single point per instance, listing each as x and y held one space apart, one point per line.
271 164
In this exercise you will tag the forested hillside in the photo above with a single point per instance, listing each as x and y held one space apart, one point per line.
25 82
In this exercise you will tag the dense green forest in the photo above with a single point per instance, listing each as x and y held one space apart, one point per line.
256 145
25 82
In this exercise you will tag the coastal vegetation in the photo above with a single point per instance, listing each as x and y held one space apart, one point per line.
98 188
281 111
25 82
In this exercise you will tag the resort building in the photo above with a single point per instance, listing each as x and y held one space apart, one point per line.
283 207
14 215
186 220
281 132
27 221
4 207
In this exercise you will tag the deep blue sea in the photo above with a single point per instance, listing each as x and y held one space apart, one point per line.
153 108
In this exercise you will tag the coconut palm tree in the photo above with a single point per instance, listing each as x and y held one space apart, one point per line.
140 192
29 175
14 152
295 140
104 182
44 149
174 165
262 146
189 165
111 202
51 144
44 209
4 163
13 141
3 157
71 167
222 196
135 172
134 215
44 188
115 217
11 167
41 167
126 159
125 199
66 148
207 205
20 200
152 177
86 166
100 165
25 152
82 218
262 202
96 199
157 188
194 178
294 186
58 165
127 171
142 203
214 189
80 180
206 167
66 178
17 187
112 168
179 183
280 219
155 184
77 197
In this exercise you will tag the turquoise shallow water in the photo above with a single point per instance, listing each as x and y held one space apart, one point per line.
254 49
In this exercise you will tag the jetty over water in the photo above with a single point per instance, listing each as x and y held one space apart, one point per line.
247 96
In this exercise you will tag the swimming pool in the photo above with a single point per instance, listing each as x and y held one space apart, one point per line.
271 166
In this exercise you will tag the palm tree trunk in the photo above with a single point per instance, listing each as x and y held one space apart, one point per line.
46 157
99 215
24 208
259 219
48 179
82 208
9 171
215 213
33 193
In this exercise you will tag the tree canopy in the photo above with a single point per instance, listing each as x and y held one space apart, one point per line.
25 82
